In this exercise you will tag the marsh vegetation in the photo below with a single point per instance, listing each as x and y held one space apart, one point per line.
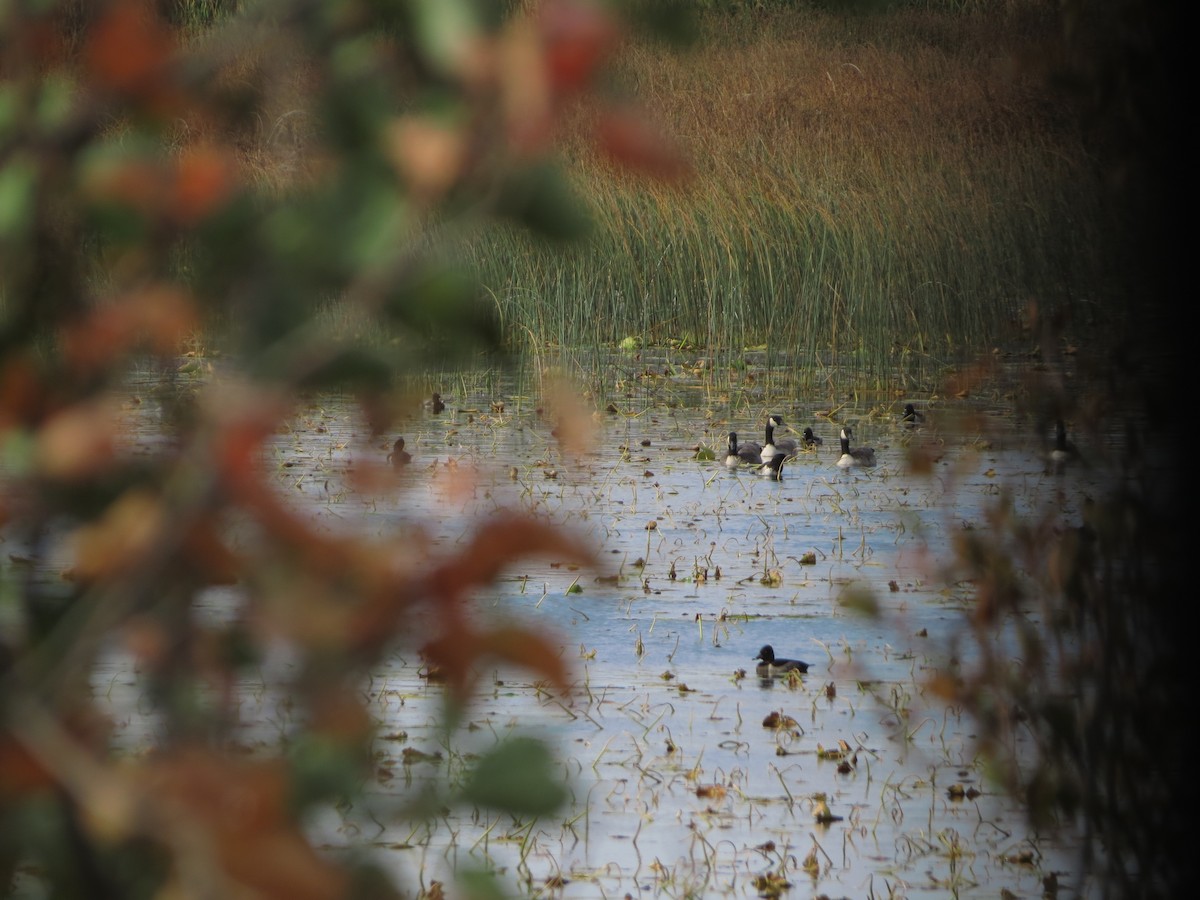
242 245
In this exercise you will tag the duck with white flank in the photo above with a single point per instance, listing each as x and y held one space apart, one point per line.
769 664
912 418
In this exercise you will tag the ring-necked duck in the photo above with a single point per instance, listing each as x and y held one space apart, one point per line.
399 457
770 665
912 418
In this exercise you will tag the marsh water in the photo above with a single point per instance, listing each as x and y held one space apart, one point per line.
682 782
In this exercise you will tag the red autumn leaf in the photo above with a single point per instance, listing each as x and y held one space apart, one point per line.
204 180
21 772
129 50
241 809
577 37
497 545
633 141
459 655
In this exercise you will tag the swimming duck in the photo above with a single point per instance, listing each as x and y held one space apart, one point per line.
809 440
749 452
770 665
435 403
854 456
912 418
399 457
773 468
786 446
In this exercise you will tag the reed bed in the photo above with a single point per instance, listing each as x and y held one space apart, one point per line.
871 192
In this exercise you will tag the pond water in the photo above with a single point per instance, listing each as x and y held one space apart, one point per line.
680 785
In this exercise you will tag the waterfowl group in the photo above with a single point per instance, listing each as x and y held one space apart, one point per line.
854 456
769 664
748 452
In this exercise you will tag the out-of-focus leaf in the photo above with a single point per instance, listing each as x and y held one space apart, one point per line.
242 810
129 51
860 600
204 179
18 195
351 368
518 776
499 543
430 154
631 139
449 32
539 197
78 441
480 884
441 301
323 769
672 20
121 540
578 36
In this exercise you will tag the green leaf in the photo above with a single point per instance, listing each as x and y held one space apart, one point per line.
517 776
540 198
18 182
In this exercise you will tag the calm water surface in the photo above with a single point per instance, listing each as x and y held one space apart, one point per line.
677 786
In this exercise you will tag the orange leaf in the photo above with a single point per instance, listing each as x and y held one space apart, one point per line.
243 810
129 49
78 442
204 179
632 140
497 545
529 649
460 654
577 37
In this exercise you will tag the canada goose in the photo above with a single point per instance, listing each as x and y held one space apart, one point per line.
912 418
770 665
399 457
809 440
1064 451
854 456
774 467
786 446
749 452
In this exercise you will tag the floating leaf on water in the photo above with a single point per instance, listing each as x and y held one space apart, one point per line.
711 791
